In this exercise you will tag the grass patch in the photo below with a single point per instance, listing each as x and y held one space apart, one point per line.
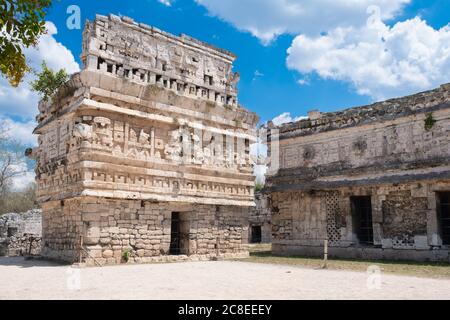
260 254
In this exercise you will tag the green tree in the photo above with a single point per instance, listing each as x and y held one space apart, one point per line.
11 158
22 22
259 186
48 81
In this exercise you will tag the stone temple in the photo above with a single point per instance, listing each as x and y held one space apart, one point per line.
374 181
144 154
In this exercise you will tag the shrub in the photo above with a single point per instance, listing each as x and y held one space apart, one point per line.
126 255
48 82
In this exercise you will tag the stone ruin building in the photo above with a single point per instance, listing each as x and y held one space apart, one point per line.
260 225
20 234
144 154
373 180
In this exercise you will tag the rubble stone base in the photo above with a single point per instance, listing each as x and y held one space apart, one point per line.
108 228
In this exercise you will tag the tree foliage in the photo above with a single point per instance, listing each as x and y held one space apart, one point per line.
12 162
22 22
19 201
48 81
259 186
12 165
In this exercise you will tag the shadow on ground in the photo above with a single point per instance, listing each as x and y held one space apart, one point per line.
28 262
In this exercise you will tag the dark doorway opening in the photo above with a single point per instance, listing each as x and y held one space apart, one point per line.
179 234
175 234
362 219
444 216
256 234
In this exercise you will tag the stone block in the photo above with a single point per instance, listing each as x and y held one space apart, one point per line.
108 254
421 242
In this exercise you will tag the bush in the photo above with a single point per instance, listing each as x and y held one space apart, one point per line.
48 82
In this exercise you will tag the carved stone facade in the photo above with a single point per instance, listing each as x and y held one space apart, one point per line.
373 180
149 130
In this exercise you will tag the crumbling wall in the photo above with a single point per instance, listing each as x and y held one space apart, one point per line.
20 233
404 217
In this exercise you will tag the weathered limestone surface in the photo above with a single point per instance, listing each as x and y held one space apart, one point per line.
140 133
261 217
394 152
110 227
20 233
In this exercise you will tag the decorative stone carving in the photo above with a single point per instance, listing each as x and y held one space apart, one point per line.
140 136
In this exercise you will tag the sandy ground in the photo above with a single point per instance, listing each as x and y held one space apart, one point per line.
20 279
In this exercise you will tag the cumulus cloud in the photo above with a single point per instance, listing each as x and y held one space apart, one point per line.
286 118
166 2
354 41
22 101
23 180
267 19
378 60
22 132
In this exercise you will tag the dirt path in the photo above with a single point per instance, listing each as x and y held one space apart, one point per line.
21 279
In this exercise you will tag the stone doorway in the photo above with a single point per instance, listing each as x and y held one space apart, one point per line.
362 219
444 216
256 236
179 234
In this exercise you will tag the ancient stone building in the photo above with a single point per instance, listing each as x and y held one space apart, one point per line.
20 233
144 154
374 180
260 226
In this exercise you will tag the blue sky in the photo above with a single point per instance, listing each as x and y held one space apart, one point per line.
275 88
293 55
267 86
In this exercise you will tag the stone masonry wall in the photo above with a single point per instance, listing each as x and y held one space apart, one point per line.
20 232
405 222
149 132
111 227
395 152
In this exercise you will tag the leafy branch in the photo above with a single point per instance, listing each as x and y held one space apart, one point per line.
22 22
48 81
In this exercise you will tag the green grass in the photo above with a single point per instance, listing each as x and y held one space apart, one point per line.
262 254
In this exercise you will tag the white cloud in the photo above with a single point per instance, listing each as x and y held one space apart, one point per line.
257 74
22 101
22 181
166 2
260 173
348 41
286 118
378 60
303 82
21 131
267 19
